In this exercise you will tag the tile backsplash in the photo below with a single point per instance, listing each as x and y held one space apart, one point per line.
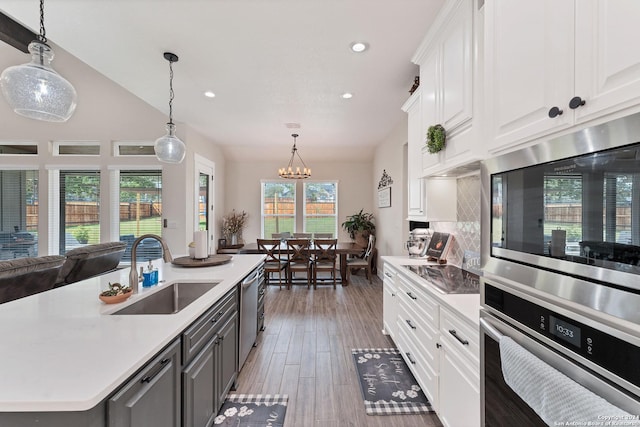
466 230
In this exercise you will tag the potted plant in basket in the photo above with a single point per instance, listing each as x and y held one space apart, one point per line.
360 226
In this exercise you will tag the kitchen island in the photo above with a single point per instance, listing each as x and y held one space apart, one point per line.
63 351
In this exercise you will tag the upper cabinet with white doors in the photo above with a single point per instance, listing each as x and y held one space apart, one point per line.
415 190
551 65
448 78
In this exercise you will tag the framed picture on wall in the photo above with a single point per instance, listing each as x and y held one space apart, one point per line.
384 197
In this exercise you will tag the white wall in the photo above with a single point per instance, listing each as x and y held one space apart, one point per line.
391 224
242 189
105 113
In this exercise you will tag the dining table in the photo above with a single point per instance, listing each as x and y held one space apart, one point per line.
343 249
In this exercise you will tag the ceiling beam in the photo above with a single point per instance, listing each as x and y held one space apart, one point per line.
15 34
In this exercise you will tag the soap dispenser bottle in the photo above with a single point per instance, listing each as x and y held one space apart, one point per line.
147 276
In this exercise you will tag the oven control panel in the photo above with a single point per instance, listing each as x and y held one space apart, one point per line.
603 349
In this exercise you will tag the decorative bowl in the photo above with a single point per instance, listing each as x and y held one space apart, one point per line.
115 298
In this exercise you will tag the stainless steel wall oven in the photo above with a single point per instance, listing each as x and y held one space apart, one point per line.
561 284
569 367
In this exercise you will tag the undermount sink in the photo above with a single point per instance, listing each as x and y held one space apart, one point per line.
169 300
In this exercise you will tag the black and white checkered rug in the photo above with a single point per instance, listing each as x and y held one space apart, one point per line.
253 410
388 386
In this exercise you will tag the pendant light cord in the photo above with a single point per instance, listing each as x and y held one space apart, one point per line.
171 92
43 32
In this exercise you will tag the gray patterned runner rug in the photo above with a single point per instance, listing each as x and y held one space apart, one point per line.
388 386
253 410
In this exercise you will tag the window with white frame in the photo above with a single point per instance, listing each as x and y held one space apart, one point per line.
18 213
278 201
140 211
79 213
321 207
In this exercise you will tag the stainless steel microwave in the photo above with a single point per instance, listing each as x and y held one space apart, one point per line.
570 205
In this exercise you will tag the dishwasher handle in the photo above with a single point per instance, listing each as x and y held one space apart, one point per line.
250 280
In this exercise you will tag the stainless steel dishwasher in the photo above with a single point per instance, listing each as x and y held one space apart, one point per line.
249 313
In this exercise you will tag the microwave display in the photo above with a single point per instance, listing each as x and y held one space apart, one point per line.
583 209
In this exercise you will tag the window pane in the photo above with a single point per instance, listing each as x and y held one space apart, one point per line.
23 149
79 209
19 218
141 212
203 202
321 207
278 208
563 211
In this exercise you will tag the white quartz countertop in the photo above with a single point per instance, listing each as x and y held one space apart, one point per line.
61 350
467 305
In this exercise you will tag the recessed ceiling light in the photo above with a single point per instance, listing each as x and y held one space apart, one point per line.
347 95
359 47
209 94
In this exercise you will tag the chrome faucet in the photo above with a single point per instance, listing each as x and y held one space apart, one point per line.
133 274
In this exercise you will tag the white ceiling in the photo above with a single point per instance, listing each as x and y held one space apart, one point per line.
270 62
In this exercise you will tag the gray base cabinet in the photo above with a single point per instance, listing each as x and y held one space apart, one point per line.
210 354
227 358
152 397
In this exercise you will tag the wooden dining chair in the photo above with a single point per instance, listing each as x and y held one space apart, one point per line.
302 235
364 261
274 262
282 236
324 259
299 259
323 235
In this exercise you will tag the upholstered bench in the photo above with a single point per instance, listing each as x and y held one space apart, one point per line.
27 276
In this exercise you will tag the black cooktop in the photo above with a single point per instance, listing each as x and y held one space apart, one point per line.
448 278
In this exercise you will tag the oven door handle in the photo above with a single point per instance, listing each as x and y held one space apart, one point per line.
490 330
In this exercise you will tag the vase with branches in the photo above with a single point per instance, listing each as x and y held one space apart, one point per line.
232 225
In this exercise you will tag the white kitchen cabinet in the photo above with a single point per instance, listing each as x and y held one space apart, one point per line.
389 300
459 371
447 58
543 58
415 191
417 326
441 347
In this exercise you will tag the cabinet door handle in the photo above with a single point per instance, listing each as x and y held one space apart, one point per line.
410 324
576 102
555 112
393 295
217 317
438 345
388 275
411 296
413 362
261 292
455 335
162 363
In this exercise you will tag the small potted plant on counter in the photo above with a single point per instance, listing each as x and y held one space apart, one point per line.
360 226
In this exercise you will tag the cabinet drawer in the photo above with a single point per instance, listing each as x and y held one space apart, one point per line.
422 370
424 305
200 332
153 394
422 333
460 335
389 272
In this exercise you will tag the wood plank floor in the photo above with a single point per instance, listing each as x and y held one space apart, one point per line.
305 352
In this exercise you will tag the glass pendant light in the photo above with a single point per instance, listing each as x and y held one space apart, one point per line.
35 90
169 148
